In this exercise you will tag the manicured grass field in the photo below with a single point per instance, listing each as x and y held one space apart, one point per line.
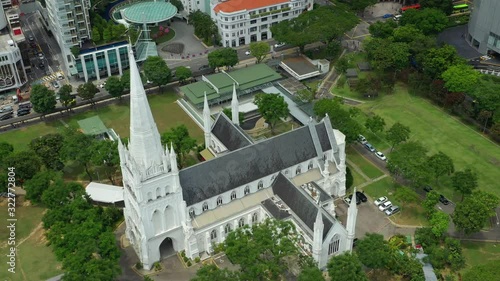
166 112
477 253
439 131
367 167
358 179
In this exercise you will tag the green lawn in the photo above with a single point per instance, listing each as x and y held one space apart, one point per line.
358 179
367 167
477 253
166 112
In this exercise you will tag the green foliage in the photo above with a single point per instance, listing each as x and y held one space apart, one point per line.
106 31
181 140
105 155
38 184
133 34
211 272
387 55
340 118
197 259
260 250
441 164
430 21
48 149
311 274
487 271
259 50
425 237
361 5
223 57
373 251
439 222
471 215
438 60
75 50
342 65
157 266
77 148
410 162
382 29
114 86
157 71
460 78
486 97
87 91
204 27
375 123
464 182
349 179
305 95
346 267
227 111
397 134
25 163
178 5
139 266
5 150
406 195
147 278
65 96
444 5
43 99
407 266
183 73
272 107
429 203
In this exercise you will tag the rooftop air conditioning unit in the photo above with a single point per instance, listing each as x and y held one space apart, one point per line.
11 43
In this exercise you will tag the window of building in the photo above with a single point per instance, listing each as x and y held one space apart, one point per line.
284 6
241 222
191 213
285 14
213 234
219 201
286 172
297 171
247 190
310 166
227 228
333 247
273 8
255 218
253 21
274 17
263 19
253 29
233 195
263 26
260 184
262 11
205 206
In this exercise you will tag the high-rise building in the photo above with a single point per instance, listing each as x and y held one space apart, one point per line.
69 21
484 26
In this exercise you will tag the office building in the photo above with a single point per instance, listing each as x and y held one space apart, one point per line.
484 27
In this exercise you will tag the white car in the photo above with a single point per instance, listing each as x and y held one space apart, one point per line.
362 139
380 200
380 156
247 53
384 206
102 85
279 45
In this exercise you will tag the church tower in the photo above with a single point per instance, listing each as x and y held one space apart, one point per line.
235 111
318 237
352 214
155 210
207 122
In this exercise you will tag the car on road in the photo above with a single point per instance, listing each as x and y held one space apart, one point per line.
392 210
31 38
204 67
427 188
386 16
279 45
369 147
6 116
26 104
41 56
361 196
102 85
55 84
443 200
6 109
362 139
59 76
247 53
23 111
380 156
41 65
384 206
380 200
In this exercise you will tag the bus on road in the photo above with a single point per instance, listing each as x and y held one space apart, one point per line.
405 8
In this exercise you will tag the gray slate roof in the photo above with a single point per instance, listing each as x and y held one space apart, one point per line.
245 165
323 136
299 203
229 134
274 210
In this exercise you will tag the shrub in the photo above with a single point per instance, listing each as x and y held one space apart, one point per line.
183 254
188 263
185 259
197 259
138 266
157 266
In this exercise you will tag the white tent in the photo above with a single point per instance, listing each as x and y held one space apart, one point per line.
104 193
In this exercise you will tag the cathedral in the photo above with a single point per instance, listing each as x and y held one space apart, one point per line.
294 177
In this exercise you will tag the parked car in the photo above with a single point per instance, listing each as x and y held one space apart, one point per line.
348 199
59 76
55 84
6 116
380 156
427 188
247 53
361 196
369 147
397 17
392 210
41 65
31 38
102 85
386 16
204 67
26 104
6 109
279 45
443 200
380 200
362 139
41 56
384 206
23 111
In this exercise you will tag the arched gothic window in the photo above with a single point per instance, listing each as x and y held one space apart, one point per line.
241 222
233 195
219 201
205 206
158 194
255 218
247 190
310 166
192 213
260 184
227 228
286 172
324 157
334 245
213 234
297 171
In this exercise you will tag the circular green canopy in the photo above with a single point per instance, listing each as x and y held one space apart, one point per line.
149 12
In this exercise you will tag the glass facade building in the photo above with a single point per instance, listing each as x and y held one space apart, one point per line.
102 61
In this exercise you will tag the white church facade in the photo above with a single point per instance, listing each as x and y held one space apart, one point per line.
294 176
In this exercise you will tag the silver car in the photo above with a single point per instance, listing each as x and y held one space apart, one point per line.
392 210
384 206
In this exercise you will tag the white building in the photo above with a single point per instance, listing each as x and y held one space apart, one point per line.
69 21
241 22
293 176
12 73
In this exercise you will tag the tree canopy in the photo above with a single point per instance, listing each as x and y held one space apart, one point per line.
272 107
48 149
441 164
373 251
211 272
77 148
183 143
387 55
429 20
183 73
157 71
382 29
105 155
26 164
43 99
397 134
375 123
341 118
311 273
464 182
204 27
410 161
38 184
259 50
87 91
439 222
460 78
471 214
223 57
444 5
114 86
65 96
346 267
438 60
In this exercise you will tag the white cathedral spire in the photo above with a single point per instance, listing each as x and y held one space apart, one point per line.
207 122
318 236
352 214
145 144
235 112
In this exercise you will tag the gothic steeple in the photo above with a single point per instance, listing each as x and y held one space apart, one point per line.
352 214
318 237
145 144
207 122
234 107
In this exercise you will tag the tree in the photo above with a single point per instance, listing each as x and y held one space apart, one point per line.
261 250
487 271
183 73
48 149
223 57
105 155
441 165
375 123
211 272
460 78
305 95
360 5
438 60
227 111
87 91
311 274
410 162
96 35
342 65
373 251
387 55
114 86
25 163
204 26
76 147
157 71
339 117
471 214
346 267
40 182
65 96
259 50
349 179
439 222
397 134
444 5
430 21
125 79
182 142
272 107
429 203
178 5
464 182
5 150
43 99
382 29
407 266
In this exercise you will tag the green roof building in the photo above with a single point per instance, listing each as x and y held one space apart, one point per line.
219 87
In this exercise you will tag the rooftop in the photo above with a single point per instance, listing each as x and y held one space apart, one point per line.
92 126
4 46
240 5
104 192
300 65
149 12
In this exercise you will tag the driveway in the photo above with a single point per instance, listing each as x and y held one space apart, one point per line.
184 34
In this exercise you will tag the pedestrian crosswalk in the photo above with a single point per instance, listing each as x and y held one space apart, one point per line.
51 77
